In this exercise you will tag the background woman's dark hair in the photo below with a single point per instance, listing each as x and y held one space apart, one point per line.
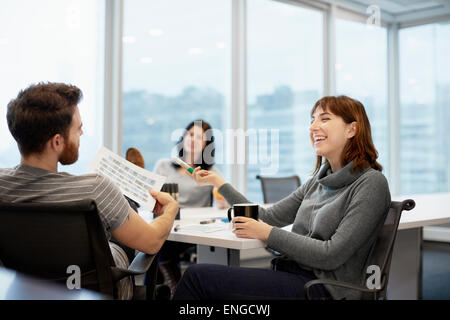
359 149
39 112
207 163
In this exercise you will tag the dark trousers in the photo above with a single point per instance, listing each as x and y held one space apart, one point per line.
172 250
216 282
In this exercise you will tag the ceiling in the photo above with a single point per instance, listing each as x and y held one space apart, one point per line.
400 7
402 12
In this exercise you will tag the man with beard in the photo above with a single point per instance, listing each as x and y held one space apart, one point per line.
45 121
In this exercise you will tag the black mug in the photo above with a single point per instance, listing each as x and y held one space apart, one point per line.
248 210
172 189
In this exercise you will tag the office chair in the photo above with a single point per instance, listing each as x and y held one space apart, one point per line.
43 240
275 189
381 254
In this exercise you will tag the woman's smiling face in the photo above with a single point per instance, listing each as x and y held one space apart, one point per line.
329 135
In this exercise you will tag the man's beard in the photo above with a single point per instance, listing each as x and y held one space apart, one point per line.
69 154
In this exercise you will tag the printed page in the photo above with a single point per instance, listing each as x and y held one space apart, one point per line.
133 181
204 227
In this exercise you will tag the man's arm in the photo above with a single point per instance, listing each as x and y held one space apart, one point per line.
148 237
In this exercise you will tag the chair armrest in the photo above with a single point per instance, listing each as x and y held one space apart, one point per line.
140 265
347 285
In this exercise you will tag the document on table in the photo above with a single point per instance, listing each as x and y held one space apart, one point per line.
133 181
204 227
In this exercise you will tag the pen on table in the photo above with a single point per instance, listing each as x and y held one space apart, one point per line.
177 227
207 221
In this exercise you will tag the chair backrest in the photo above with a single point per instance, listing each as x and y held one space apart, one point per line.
43 240
275 189
381 253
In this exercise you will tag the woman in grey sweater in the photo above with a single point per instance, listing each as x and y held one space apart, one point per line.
336 216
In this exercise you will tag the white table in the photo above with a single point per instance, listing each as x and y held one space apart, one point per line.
405 282
219 247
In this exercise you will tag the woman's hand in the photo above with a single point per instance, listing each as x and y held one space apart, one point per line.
205 177
251 228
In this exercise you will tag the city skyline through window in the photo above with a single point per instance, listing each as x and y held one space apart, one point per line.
174 65
424 109
361 73
281 92
177 61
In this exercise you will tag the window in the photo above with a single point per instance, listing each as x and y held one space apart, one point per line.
285 79
177 69
64 44
424 108
361 73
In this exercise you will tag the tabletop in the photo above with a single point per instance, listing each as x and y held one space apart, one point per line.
430 210
191 231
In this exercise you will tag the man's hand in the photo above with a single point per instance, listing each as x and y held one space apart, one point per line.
164 203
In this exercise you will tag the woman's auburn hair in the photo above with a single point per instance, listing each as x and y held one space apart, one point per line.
360 148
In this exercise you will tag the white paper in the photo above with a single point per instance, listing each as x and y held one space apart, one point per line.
213 227
133 181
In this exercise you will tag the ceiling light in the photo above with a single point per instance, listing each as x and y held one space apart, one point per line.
128 39
146 60
195 51
156 32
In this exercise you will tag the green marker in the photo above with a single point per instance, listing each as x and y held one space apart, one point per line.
184 165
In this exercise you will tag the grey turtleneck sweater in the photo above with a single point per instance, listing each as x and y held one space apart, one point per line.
336 218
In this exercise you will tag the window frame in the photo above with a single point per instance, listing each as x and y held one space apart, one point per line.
331 11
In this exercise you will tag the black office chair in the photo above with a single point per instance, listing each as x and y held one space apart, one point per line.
381 254
275 189
43 240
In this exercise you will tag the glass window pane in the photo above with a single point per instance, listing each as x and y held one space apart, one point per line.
361 73
64 44
285 79
177 69
424 108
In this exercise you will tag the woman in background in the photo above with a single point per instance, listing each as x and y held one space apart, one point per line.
196 148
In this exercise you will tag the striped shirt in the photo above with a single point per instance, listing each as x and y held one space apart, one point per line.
29 184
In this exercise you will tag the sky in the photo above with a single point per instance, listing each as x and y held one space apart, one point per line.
55 41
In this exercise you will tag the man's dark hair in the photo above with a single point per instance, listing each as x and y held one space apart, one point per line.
39 112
